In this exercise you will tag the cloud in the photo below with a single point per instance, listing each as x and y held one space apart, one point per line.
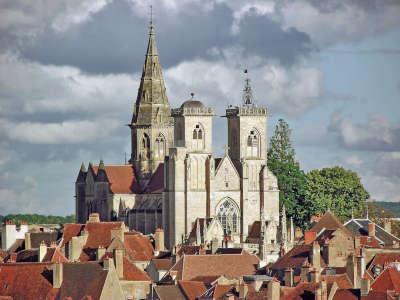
337 21
376 134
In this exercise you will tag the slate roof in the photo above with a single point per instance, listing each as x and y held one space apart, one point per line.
122 178
82 279
26 281
156 182
359 227
47 237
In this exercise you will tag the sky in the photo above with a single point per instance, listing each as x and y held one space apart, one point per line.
69 73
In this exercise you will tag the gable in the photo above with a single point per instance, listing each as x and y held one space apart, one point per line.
226 176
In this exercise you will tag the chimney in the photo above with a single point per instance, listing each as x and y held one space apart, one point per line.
42 250
159 240
351 270
316 255
288 277
365 286
371 229
243 290
361 264
94 218
309 237
76 248
387 225
57 275
274 290
28 244
119 262
322 291
315 275
101 251
214 245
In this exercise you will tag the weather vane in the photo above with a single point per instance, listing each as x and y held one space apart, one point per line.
247 91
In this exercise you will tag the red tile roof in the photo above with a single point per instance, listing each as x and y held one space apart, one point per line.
330 222
369 241
26 281
100 233
122 178
342 280
138 247
192 289
54 255
347 294
169 292
162 264
70 230
295 258
383 259
133 273
389 279
199 267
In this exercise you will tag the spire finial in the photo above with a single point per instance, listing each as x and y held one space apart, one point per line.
247 91
151 15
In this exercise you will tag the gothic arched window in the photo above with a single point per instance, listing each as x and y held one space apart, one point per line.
253 144
160 146
145 153
228 214
198 137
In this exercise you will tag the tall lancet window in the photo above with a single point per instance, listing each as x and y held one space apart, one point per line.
145 151
228 214
198 137
160 146
253 144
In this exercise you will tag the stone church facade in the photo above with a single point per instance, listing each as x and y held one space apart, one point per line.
174 181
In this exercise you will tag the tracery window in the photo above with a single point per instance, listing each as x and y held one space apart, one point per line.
228 215
145 153
253 144
160 146
198 137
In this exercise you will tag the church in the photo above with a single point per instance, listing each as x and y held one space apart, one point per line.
174 182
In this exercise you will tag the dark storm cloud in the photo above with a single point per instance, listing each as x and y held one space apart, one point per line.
114 39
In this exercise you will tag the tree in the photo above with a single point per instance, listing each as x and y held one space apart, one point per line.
337 190
291 179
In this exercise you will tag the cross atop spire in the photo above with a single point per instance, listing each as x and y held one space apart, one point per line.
247 91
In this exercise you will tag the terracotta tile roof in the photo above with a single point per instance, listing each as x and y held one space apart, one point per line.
216 291
82 279
389 279
192 289
133 273
342 280
370 241
197 267
138 247
295 258
373 295
54 255
100 233
70 230
188 250
169 292
304 290
162 264
383 259
329 222
156 182
122 178
26 281
347 294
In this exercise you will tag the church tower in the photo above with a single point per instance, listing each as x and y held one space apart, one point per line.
152 124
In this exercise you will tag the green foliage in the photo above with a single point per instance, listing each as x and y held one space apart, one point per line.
38 219
337 190
291 179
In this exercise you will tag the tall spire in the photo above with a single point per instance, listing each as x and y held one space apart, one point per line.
151 95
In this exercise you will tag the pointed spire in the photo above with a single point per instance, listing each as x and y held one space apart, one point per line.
152 88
